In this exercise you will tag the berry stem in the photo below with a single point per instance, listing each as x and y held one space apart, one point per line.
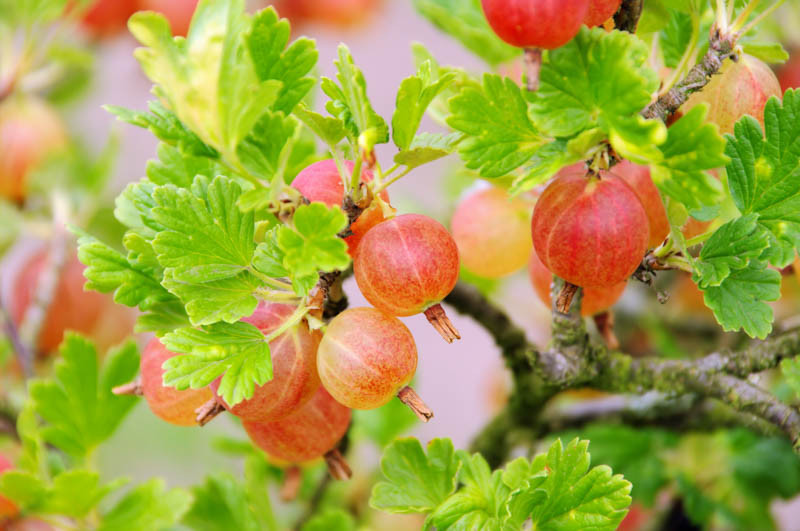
565 296
208 411
533 64
337 465
605 325
292 481
441 322
132 388
410 398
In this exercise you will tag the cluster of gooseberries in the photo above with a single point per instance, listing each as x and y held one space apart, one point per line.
591 228
404 265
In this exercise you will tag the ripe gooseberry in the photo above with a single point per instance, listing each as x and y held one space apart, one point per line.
71 308
366 358
406 265
638 178
7 507
294 368
30 131
310 432
322 182
600 11
544 24
594 301
492 232
178 12
170 404
742 88
592 231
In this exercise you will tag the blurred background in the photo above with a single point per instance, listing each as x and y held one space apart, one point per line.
464 383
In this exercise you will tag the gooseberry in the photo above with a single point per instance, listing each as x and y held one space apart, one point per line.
174 406
742 88
592 231
294 368
638 178
307 434
594 301
492 232
406 265
366 358
544 24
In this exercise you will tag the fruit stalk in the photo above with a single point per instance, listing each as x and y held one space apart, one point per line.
133 388
292 480
438 318
337 465
605 326
533 64
410 398
208 411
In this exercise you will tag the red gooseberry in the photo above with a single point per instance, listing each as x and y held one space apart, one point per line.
294 368
544 24
592 231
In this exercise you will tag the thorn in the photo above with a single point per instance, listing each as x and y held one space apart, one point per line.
564 300
292 481
337 465
438 318
410 398
132 388
208 411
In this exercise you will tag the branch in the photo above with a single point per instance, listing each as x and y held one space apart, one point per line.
575 361
720 48
627 18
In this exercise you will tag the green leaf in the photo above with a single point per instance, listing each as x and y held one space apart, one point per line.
269 256
498 136
261 152
738 302
77 404
675 37
180 169
330 130
221 504
464 20
148 506
162 318
764 173
206 248
579 497
427 147
331 520
349 101
23 488
415 482
166 127
769 52
693 146
266 43
239 350
480 503
577 93
107 270
790 368
312 244
75 493
732 246
413 97
545 163
208 80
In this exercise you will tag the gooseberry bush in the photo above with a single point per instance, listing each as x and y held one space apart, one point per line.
635 162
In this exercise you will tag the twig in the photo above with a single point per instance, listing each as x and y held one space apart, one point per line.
720 48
